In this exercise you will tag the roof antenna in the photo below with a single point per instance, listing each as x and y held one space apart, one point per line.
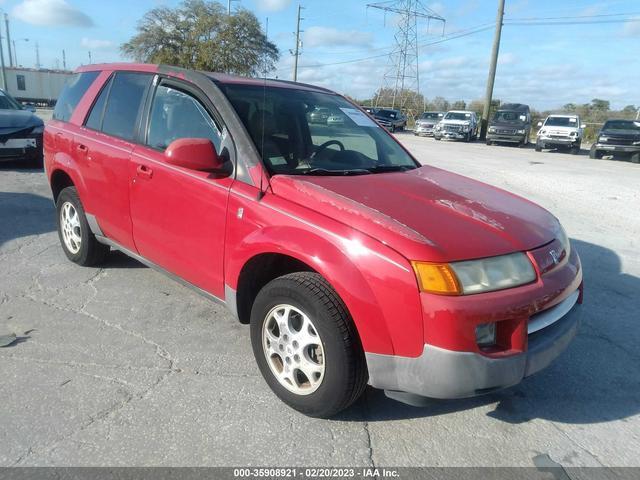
263 191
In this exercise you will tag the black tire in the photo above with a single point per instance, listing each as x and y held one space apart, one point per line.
575 149
538 147
345 376
437 138
635 158
91 252
595 154
489 142
392 128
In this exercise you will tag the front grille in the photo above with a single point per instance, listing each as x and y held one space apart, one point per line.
505 131
619 141
452 128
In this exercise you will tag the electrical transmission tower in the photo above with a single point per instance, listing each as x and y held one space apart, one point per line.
402 75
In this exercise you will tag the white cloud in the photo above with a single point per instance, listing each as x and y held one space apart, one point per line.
51 13
331 37
632 29
273 5
507 58
95 44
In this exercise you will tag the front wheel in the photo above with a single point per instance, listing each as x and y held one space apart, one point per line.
594 153
538 147
306 345
78 242
635 158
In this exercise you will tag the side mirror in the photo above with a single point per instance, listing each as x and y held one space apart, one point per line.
539 124
193 154
584 125
30 108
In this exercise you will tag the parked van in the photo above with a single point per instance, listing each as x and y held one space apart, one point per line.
510 124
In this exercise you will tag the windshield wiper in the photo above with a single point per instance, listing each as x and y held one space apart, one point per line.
326 171
390 168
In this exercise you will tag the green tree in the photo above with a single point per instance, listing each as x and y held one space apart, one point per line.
600 105
198 34
630 109
459 105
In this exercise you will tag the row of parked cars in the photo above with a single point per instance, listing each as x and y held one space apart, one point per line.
511 123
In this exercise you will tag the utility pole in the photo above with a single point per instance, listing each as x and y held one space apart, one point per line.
296 53
90 57
6 23
492 70
37 55
64 60
229 6
4 74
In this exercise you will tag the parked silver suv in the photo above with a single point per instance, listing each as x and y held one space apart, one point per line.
457 125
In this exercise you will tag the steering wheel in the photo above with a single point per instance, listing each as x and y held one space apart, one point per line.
325 145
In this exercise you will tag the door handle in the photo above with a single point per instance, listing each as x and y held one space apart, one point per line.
144 171
82 148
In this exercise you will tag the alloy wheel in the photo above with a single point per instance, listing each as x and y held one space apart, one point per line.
293 349
70 227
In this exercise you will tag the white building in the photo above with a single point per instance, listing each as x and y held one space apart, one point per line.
35 86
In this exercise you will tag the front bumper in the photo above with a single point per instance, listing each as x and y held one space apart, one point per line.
559 141
441 373
497 137
606 147
28 147
424 130
450 135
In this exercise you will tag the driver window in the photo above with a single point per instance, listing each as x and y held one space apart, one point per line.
176 114
338 126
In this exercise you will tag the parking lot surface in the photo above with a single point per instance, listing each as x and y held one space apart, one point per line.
122 366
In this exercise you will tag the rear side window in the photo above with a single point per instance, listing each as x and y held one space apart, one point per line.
124 104
72 93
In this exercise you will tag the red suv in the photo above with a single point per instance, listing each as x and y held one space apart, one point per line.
352 263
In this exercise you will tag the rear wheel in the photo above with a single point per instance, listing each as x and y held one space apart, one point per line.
306 345
575 149
78 242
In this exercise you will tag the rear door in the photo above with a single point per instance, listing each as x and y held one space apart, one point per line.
103 146
179 214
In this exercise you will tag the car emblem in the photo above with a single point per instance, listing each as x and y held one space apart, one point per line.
555 256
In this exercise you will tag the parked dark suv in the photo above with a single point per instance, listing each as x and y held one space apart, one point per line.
618 136
390 119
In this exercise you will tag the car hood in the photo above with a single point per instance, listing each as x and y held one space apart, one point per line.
516 125
18 120
620 133
427 213
456 122
559 129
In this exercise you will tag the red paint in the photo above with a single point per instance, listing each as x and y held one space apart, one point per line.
359 232
193 154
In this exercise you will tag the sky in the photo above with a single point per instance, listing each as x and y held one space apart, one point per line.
545 66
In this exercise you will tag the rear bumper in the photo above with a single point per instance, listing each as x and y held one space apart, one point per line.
28 147
441 373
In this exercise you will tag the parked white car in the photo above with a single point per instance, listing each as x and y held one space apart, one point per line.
457 125
560 131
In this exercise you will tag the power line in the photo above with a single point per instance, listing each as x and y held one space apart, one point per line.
576 16
576 22
356 60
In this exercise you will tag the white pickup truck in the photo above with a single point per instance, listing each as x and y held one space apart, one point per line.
561 132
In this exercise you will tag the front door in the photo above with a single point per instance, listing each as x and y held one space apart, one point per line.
179 215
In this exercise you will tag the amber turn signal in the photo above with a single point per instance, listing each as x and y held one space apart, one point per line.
436 278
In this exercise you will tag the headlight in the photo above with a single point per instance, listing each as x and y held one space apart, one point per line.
522 131
475 276
563 238
39 129
573 134
438 127
603 139
465 128
492 129
542 132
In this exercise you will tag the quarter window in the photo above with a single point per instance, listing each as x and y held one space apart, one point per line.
71 95
94 121
176 114
124 104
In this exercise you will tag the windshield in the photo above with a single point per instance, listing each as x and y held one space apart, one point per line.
387 113
505 116
622 125
8 103
430 116
561 122
278 122
457 116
